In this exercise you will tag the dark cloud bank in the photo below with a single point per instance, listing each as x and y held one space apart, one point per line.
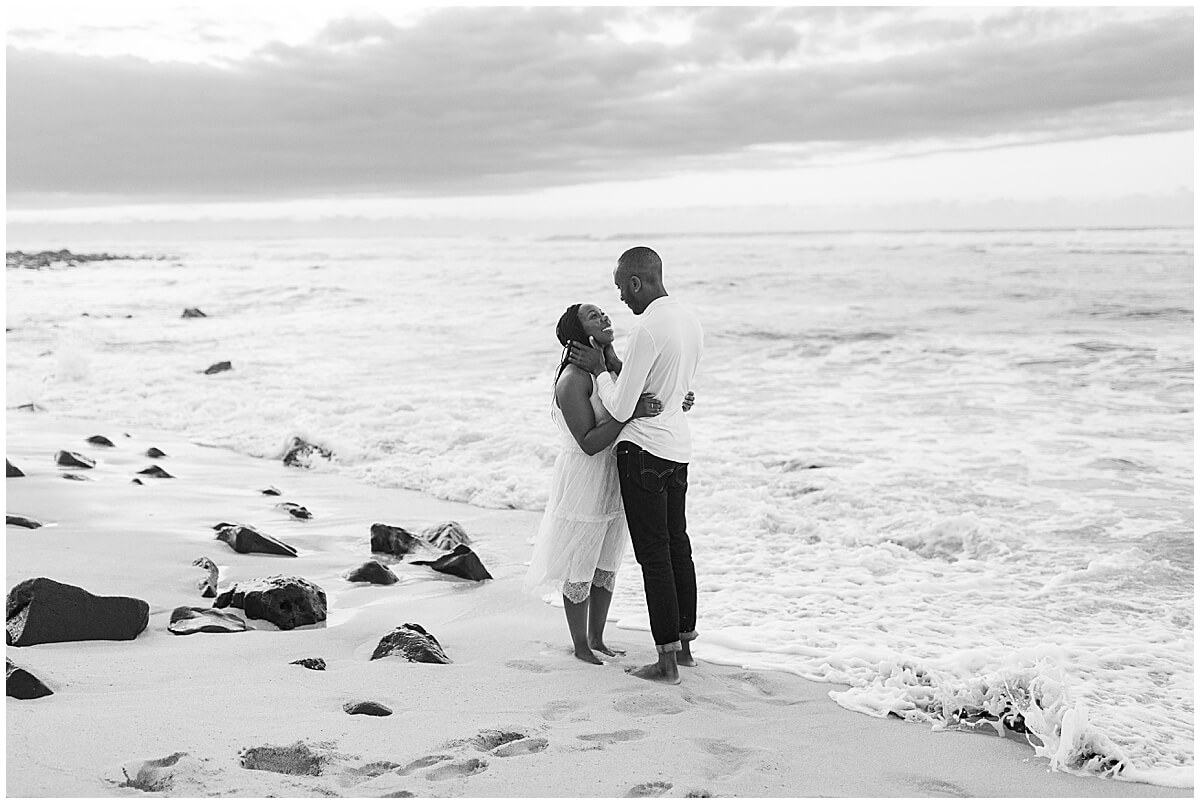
495 100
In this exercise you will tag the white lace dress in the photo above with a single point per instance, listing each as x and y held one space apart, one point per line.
583 534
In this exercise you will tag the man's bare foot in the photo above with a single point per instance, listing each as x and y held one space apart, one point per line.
585 655
683 657
655 672
598 645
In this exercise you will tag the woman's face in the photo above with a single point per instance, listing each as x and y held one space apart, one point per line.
596 323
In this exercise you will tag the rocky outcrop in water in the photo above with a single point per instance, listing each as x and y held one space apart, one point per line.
193 312
301 453
155 452
372 572
271 491
22 684
412 642
445 536
100 441
286 601
154 470
393 540
245 539
41 610
217 368
192 620
21 522
462 562
46 259
297 511
12 471
73 460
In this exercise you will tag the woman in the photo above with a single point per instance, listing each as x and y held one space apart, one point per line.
583 534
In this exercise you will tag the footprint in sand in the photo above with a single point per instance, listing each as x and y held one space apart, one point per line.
760 687
423 762
355 776
457 770
606 738
503 743
939 788
648 790
557 710
528 666
730 758
648 703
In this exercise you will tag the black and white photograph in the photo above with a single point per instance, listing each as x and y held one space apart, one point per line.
623 401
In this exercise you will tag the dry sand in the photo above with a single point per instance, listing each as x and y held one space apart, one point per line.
515 715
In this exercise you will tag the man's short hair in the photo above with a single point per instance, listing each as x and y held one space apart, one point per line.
642 262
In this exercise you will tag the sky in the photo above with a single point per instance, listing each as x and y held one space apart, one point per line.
346 117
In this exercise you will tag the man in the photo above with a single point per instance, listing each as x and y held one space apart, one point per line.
653 453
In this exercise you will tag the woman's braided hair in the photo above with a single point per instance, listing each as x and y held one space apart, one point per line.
569 328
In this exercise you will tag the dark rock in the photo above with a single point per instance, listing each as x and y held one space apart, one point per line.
41 610
392 540
23 684
45 259
286 601
245 539
154 470
73 459
297 511
73 476
21 521
311 664
367 708
191 620
193 312
296 759
372 572
301 453
12 471
217 368
271 491
31 407
412 642
446 536
100 441
222 525
208 584
155 452
462 562
137 482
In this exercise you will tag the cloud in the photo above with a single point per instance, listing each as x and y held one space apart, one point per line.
488 100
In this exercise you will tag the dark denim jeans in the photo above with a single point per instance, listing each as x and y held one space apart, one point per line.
654 491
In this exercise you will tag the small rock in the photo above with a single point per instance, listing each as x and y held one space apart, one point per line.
462 563
154 470
24 685
100 441
297 511
367 708
372 572
271 491
73 459
411 642
208 584
193 312
73 476
191 620
12 471
217 368
41 610
245 539
137 482
155 452
286 601
446 536
300 453
392 540
311 664
21 521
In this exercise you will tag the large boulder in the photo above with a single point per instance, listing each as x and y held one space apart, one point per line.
192 620
208 584
42 610
23 684
372 572
462 562
446 536
21 521
301 453
155 452
286 601
411 642
245 539
12 471
73 459
393 540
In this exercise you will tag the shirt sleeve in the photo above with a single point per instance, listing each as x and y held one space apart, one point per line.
621 396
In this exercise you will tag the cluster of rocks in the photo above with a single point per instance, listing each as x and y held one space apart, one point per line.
45 259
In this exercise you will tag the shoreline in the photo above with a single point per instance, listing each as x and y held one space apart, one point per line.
585 731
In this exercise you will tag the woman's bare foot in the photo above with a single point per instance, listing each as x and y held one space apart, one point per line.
655 672
684 656
598 645
585 655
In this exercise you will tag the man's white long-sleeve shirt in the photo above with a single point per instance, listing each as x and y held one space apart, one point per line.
661 358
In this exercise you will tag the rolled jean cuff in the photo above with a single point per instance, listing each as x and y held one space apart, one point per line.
688 636
670 647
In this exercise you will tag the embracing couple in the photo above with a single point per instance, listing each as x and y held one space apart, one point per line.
603 495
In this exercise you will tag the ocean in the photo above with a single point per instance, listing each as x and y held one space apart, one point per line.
952 471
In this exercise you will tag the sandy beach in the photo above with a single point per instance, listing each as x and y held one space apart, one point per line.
514 715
